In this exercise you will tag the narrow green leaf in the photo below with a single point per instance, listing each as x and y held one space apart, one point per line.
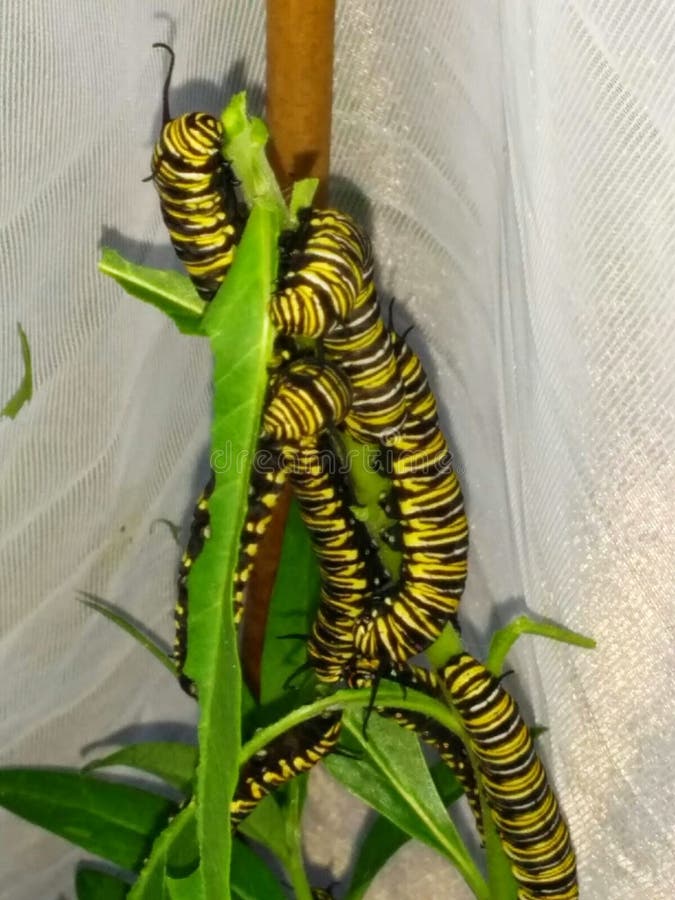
392 777
245 140
500 878
92 884
369 487
504 638
266 826
292 610
174 852
106 609
189 888
383 838
173 761
171 292
252 879
241 337
448 644
25 390
302 197
114 821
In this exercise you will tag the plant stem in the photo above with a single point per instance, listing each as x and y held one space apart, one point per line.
294 860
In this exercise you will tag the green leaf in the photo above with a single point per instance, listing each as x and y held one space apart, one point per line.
25 390
302 197
504 638
189 888
174 853
241 338
252 879
114 821
383 838
292 610
369 486
245 140
171 292
448 644
92 884
173 761
392 777
266 825
106 609
500 878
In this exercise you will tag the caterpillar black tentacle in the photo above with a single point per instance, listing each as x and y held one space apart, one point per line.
196 192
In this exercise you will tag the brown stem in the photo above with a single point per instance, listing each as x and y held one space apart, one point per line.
299 101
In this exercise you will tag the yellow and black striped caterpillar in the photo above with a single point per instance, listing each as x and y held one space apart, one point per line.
294 752
199 533
427 498
306 399
268 477
326 291
196 193
523 806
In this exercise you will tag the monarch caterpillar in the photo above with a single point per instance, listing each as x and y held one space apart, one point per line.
326 291
199 533
196 193
525 810
304 402
349 563
324 267
433 530
268 477
294 752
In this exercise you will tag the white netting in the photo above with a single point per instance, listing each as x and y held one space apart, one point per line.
518 160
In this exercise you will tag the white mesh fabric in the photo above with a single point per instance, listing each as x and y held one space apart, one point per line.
518 163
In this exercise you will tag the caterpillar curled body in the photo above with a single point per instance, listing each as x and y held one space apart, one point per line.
306 399
199 533
196 193
433 530
525 810
349 563
326 291
296 751
324 267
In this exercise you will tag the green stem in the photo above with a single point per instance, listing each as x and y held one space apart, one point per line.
295 863
389 697
505 638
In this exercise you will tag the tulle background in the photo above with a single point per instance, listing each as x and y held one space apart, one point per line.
515 163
